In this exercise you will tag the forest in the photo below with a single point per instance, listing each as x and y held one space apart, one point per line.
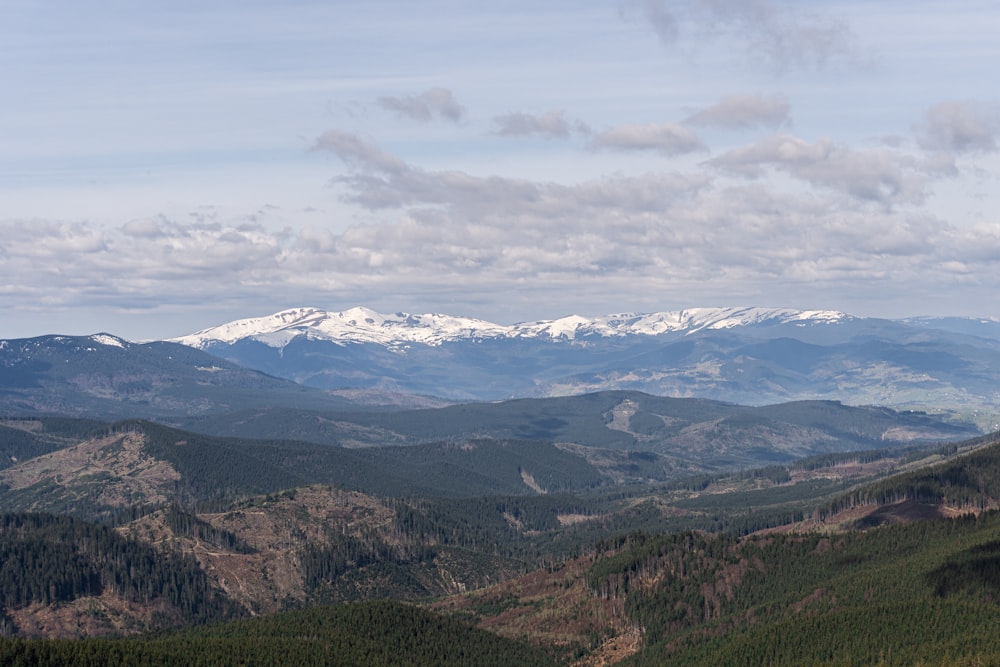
818 561
387 634
51 559
926 592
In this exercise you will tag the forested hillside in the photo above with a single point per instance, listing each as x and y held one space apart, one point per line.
131 464
964 484
926 592
139 463
388 634
575 549
689 435
22 439
104 377
56 569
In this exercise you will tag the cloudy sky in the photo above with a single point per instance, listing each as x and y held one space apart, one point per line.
169 166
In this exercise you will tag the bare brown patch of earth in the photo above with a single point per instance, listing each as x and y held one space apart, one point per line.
128 471
277 527
94 616
552 609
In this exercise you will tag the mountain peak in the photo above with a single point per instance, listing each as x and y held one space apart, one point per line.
364 325
109 340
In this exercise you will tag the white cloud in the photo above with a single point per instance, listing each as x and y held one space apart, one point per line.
779 35
112 119
744 111
550 124
666 138
428 105
882 175
663 21
357 152
959 128
456 236
448 239
46 241
148 228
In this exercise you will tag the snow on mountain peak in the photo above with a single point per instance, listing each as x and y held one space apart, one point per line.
107 339
363 325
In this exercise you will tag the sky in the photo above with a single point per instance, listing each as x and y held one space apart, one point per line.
170 166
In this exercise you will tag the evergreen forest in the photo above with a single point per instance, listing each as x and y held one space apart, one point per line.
135 543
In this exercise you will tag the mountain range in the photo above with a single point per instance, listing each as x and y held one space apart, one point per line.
111 378
396 331
208 482
741 355
196 529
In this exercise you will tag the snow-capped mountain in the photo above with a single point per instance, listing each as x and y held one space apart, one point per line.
362 325
742 355
749 356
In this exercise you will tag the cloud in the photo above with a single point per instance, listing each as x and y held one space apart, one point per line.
959 128
47 241
880 175
145 228
662 20
674 232
552 124
744 111
451 241
380 181
667 138
430 104
779 35
357 152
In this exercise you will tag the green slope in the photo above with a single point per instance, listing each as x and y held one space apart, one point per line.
383 634
102 377
22 439
899 595
53 560
970 482
199 468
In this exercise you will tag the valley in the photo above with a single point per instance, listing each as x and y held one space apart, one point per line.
636 333
229 508
526 566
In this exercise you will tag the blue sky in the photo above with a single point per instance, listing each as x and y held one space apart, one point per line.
166 167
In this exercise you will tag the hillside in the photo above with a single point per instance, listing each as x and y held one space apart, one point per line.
691 434
920 591
320 544
64 577
470 450
133 464
557 545
386 633
22 439
105 377
602 589
968 483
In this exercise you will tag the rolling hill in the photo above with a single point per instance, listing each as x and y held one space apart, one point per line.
614 555
694 434
105 377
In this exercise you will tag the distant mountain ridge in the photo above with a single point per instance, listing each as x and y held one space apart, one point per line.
745 355
363 325
109 377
